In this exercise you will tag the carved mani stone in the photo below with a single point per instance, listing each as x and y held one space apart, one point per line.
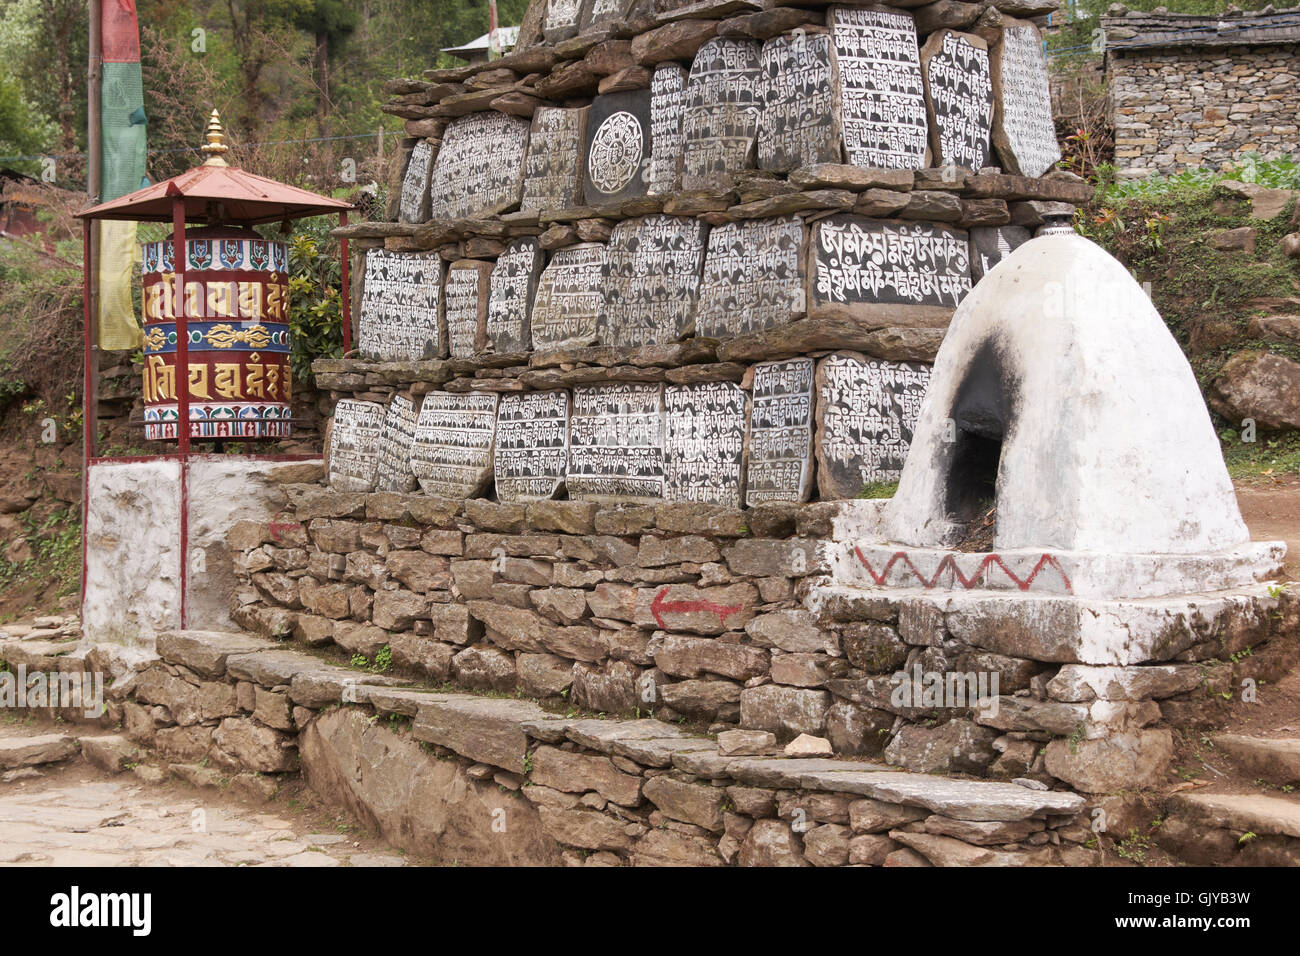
651 278
667 104
553 171
395 440
532 445
866 410
800 121
704 443
753 277
723 100
569 297
465 308
882 273
616 444
959 99
616 151
414 204
401 313
452 452
780 432
882 95
510 302
480 167
1023 132
354 445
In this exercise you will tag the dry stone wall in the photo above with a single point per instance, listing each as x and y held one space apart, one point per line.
696 614
1175 108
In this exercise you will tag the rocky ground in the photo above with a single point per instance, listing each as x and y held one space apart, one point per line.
59 809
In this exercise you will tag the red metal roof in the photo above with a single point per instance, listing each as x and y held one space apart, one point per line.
217 194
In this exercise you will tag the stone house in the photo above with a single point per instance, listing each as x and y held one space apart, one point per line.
1190 91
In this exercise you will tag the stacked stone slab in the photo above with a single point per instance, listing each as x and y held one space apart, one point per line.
654 202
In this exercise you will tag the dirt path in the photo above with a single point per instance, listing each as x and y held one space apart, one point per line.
1271 509
71 814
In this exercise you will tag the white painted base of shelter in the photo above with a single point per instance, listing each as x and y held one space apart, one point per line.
133 542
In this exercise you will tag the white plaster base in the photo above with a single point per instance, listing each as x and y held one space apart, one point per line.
133 543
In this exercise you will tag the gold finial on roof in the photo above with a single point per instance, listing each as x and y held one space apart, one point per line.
215 148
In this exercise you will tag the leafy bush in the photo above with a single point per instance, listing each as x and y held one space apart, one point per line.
315 311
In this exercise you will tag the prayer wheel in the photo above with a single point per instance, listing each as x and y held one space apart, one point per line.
237 317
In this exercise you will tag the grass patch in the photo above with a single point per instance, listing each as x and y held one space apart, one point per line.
1266 457
878 489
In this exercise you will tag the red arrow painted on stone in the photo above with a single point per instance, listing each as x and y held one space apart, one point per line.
661 606
277 526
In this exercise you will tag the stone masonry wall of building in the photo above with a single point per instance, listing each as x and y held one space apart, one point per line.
1174 109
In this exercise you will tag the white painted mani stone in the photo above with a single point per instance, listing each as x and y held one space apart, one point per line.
1060 393
1061 408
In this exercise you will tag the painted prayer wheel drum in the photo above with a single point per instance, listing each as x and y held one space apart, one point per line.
237 315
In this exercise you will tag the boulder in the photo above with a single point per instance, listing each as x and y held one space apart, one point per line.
428 807
1126 761
1258 385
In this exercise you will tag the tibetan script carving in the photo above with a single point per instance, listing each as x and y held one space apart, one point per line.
723 100
354 445
510 302
395 440
400 312
480 166
452 453
881 93
651 278
866 411
800 121
552 172
704 442
616 444
1023 131
780 432
667 103
532 445
959 94
465 308
862 268
568 297
753 277
414 204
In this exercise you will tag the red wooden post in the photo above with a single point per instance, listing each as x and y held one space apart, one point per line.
346 266
182 387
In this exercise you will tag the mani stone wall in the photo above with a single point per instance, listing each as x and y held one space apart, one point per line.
699 254
1199 106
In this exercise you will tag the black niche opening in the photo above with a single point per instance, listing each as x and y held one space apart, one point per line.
981 410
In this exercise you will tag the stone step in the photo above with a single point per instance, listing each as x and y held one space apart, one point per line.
33 751
312 682
111 753
1247 812
1275 759
36 655
502 732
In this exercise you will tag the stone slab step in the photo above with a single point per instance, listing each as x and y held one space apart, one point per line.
1248 812
486 729
1275 759
109 752
33 751
35 655
949 796
312 682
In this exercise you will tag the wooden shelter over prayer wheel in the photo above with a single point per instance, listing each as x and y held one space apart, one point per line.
220 312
